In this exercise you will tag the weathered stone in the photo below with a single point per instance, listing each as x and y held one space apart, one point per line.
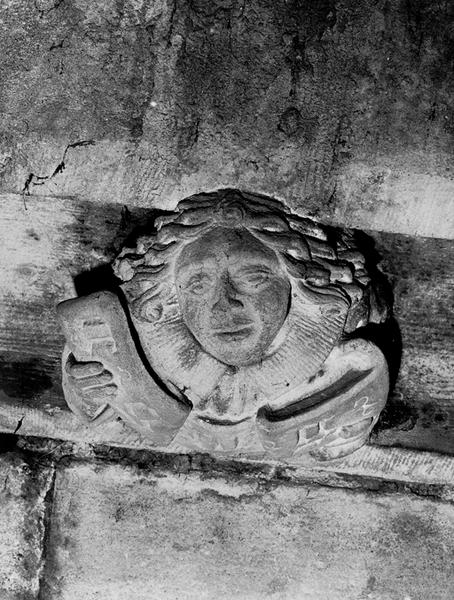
242 310
119 532
71 244
342 109
421 274
23 513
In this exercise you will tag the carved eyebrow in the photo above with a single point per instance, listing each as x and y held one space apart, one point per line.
254 268
197 276
196 270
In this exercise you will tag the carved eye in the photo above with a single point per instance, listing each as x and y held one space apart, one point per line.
199 284
252 280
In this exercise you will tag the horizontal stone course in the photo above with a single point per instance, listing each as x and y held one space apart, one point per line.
119 532
342 109
105 530
59 248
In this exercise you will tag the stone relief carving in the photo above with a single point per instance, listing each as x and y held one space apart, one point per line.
239 332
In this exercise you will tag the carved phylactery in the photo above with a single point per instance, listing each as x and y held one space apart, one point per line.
238 333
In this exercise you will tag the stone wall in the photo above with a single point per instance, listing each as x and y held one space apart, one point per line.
344 110
112 110
78 529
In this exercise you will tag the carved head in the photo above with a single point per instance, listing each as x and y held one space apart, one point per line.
228 263
233 294
241 310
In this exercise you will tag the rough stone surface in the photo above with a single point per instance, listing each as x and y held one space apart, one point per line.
59 248
343 109
23 511
245 321
121 533
421 410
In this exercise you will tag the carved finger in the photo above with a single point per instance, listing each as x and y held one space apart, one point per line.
93 409
96 381
104 415
81 370
102 393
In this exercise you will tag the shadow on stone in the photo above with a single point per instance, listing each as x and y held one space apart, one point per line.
8 443
96 280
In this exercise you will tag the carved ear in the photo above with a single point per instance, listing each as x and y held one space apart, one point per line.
147 306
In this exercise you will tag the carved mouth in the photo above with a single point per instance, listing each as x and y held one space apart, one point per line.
234 334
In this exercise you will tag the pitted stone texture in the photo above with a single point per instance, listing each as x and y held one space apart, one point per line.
121 533
344 109
23 490
241 309
69 237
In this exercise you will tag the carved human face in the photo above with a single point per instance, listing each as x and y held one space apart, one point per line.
233 294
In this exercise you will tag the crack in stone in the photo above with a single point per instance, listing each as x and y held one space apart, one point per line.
33 179
45 539
171 24
44 8
19 424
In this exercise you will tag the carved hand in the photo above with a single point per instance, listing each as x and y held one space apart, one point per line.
92 385
98 335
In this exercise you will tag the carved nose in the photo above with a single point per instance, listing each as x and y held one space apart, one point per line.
227 297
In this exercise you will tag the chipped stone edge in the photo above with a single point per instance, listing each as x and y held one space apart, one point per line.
378 462
36 516
47 498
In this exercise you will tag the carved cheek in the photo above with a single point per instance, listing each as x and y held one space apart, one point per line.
195 311
272 302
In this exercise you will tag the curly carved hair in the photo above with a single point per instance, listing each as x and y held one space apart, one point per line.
314 256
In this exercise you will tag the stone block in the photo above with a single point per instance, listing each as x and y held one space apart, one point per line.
24 490
343 109
118 532
71 242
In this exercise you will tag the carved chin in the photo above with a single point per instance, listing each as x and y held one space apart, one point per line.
238 348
